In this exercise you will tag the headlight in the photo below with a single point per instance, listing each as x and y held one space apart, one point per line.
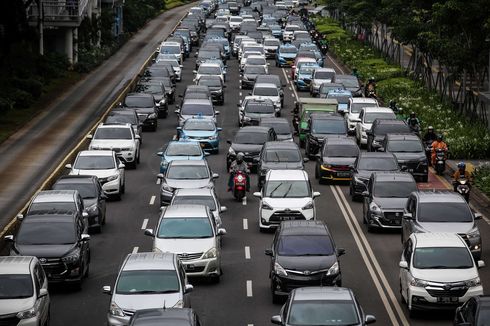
334 270
152 116
211 253
112 177
30 313
179 304
473 282
473 234
166 187
162 102
279 270
164 164
213 137
73 257
375 208
114 310
359 180
418 282
231 151
92 209
266 206
308 206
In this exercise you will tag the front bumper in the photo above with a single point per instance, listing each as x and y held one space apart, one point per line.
358 185
202 267
385 220
270 219
150 123
285 284
335 175
165 197
419 298
112 187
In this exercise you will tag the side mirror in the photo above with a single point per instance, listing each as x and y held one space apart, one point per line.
89 136
268 252
137 136
68 166
188 288
43 293
194 71
305 159
149 232
159 153
219 129
179 128
381 149
258 194
365 193
481 264
84 214
223 209
228 141
478 216
215 175
276 320
106 289
84 237
370 319
407 216
160 176
316 194
206 153
121 166
216 112
20 217
221 231
9 238
403 264
340 251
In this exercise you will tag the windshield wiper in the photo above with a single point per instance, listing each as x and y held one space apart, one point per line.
287 191
274 190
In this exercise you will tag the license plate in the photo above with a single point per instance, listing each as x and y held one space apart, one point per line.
448 299
343 174
287 218
410 170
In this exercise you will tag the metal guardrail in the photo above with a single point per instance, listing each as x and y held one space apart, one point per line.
61 10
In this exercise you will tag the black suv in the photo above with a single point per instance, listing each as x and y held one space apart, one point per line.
409 152
216 87
386 198
58 242
145 107
157 89
165 316
94 198
303 253
336 159
380 128
321 126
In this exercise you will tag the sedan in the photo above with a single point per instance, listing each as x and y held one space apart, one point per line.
336 159
249 75
203 131
180 150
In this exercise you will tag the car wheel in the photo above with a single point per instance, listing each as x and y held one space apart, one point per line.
87 271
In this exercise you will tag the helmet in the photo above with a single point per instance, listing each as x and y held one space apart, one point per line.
392 103
461 165
239 157
371 80
412 114
439 137
430 128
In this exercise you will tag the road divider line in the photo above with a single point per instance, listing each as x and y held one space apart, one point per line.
152 200
374 277
159 181
293 94
247 252
245 224
145 224
240 94
249 289
336 65
135 249
244 201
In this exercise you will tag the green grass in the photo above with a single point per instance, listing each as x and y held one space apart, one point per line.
169 4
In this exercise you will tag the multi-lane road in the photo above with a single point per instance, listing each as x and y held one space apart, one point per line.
370 266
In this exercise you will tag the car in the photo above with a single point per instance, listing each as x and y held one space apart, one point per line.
172 48
473 312
185 149
183 174
285 56
271 45
249 75
268 91
205 54
145 107
157 89
200 196
342 96
273 79
58 241
288 33
327 87
366 119
105 166
175 65
438 211
247 54
253 109
192 108
315 305
381 127
305 107
120 139
278 155
24 296
147 280
235 22
303 253
190 232
249 140
437 271
281 127
286 195
256 60
336 159
216 88
304 76
165 316
300 62
209 69
354 108
94 198
321 126
320 76
203 131
351 83
366 164
385 199
409 152
124 116
160 71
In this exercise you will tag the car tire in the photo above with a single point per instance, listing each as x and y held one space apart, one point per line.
138 158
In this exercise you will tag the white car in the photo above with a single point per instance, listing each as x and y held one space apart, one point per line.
269 91
249 47
173 48
210 69
438 270
286 195
320 76
104 165
190 232
119 138
255 60
177 68
366 119
287 34
235 22
271 44
354 108
247 54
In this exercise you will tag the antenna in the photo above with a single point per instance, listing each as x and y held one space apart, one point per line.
164 305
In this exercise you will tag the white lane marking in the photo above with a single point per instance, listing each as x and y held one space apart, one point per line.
152 200
250 325
249 288
244 201
294 94
145 224
485 219
159 181
336 65
290 88
174 137
240 94
135 249
245 224
247 252
373 270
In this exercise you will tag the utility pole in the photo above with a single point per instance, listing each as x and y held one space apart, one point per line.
40 9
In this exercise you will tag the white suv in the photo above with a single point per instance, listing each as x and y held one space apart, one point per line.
269 91
366 119
24 294
355 106
286 195
437 269
118 138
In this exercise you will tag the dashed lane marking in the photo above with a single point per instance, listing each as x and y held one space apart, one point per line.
245 224
249 289
145 224
135 249
247 252
152 200
244 201
159 181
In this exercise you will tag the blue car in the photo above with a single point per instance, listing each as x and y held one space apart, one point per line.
180 150
303 79
203 131
342 96
286 54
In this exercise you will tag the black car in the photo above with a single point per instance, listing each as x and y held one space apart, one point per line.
351 83
474 312
249 140
59 244
145 107
365 165
165 317
216 88
252 110
94 198
409 152
273 79
281 126
385 199
321 126
380 128
336 159
249 75
279 155
123 116
157 89
303 253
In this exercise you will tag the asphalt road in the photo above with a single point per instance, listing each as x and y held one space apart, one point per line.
370 266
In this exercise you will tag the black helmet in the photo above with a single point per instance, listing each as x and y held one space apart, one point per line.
392 103
439 137
371 80
239 157
461 165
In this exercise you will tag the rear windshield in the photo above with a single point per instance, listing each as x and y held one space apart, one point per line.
147 282
281 128
182 149
139 102
356 107
251 138
266 91
326 126
195 200
259 108
41 233
394 189
405 146
185 228
190 109
301 245
324 74
377 164
122 119
52 206
341 151
371 116
113 133
86 190
384 129
287 189
94 163
282 155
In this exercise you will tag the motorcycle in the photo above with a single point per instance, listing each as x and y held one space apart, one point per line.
324 49
440 164
372 94
239 185
462 186
428 151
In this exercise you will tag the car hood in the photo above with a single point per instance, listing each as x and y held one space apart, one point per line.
45 251
97 173
282 165
353 116
145 110
340 160
251 76
87 202
445 275
284 137
146 301
306 263
12 306
402 157
272 98
458 227
184 246
321 81
291 203
394 203
288 55
252 148
111 144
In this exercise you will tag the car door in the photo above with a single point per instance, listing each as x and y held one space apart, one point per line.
183 283
101 201
407 223
359 126
41 282
405 273
368 199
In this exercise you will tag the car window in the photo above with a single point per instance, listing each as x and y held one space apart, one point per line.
183 149
444 212
287 189
187 172
94 163
317 312
405 146
185 228
32 232
407 253
341 150
301 245
442 258
86 190
147 282
16 286
282 155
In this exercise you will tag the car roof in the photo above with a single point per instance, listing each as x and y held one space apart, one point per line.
342 140
47 196
194 192
380 109
322 293
324 69
185 211
292 175
96 153
112 126
197 101
254 129
16 264
300 227
280 145
402 137
439 197
375 155
323 116
76 179
265 85
395 176
363 100
438 239
188 162
164 316
149 260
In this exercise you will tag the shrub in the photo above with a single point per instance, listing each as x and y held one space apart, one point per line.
481 178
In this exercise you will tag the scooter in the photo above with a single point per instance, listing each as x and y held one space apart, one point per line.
239 185
428 151
462 186
440 164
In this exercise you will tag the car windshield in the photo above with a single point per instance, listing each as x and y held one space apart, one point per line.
86 190
394 189
121 119
324 74
254 138
341 151
327 87
305 245
323 313
149 89
282 155
195 200
327 126
52 207
386 128
259 108
33 232
236 19
306 71
442 258
183 149
204 125
356 107
256 61
139 102
148 282
444 212
170 49
405 146
289 49
254 70
342 99
266 91
281 128
16 286
185 228
94 163
347 82
184 172
371 116
377 164
208 54
203 70
173 63
113 133
213 82
287 189
196 109
271 42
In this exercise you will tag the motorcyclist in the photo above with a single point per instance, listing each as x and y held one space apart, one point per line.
413 122
437 144
430 136
355 72
296 118
461 172
323 43
370 89
238 165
